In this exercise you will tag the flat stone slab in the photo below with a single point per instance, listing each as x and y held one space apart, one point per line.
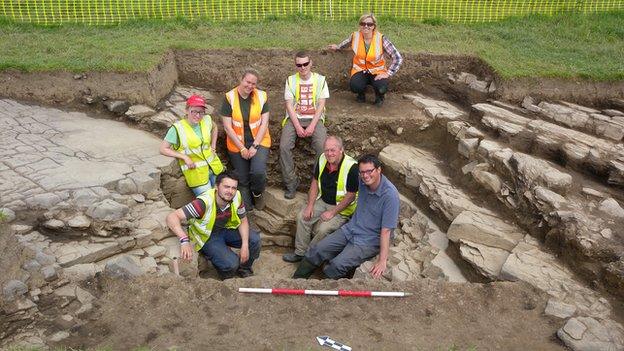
71 253
46 150
527 262
424 172
585 333
484 229
436 109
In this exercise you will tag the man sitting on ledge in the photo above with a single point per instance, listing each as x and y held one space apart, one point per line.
330 199
367 234
218 221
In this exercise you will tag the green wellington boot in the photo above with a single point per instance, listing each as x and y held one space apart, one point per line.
305 269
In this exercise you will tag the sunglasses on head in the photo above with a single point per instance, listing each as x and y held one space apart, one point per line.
367 24
305 64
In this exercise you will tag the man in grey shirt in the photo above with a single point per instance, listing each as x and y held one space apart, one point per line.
366 235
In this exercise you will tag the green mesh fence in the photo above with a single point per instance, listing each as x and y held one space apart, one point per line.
102 12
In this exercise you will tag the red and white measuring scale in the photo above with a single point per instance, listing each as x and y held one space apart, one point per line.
356 293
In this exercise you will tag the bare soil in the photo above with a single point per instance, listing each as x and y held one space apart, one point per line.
219 70
64 88
201 314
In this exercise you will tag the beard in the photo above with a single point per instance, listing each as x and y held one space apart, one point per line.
225 197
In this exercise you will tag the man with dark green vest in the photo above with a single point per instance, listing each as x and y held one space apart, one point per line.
330 199
217 221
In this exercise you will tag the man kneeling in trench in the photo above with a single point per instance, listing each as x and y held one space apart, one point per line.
367 234
217 221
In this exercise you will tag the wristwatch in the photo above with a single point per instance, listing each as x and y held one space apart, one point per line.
255 146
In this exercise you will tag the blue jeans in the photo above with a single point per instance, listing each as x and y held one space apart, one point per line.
198 190
217 251
343 255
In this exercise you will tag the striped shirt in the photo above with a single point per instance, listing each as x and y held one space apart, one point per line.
197 207
389 50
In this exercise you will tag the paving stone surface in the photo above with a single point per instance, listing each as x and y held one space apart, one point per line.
47 151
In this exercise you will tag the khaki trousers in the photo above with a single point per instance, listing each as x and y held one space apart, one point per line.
312 231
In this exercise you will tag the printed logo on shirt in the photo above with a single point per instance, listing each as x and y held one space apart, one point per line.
306 106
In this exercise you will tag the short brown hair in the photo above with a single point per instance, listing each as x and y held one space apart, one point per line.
251 71
302 54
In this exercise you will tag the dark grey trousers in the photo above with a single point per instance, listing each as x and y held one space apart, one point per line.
287 144
252 174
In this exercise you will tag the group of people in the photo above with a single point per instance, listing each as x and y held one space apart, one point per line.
352 208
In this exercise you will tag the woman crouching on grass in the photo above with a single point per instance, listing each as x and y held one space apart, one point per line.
370 48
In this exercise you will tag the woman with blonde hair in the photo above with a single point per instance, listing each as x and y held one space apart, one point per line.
370 49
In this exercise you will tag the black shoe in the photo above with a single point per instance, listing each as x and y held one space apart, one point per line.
360 97
379 101
244 272
290 192
258 202
226 275
292 257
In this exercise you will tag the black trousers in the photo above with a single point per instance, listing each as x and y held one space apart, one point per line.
251 174
361 79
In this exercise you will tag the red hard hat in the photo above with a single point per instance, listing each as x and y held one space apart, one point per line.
195 101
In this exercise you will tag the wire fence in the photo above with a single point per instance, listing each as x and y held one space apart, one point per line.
106 12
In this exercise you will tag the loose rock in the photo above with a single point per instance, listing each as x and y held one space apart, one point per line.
117 106
612 208
7 215
14 288
124 267
107 210
79 222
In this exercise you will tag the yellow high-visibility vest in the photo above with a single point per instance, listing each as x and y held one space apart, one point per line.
318 81
341 187
198 149
200 228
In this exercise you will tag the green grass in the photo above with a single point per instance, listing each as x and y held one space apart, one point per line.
566 46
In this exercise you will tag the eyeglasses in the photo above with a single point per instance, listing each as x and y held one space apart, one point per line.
305 64
196 112
367 172
367 24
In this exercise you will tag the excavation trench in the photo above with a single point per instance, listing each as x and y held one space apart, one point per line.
364 130
448 207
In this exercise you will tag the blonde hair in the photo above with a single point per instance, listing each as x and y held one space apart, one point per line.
368 15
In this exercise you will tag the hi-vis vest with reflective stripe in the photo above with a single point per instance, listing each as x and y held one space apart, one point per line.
373 60
200 228
198 149
341 187
318 82
258 99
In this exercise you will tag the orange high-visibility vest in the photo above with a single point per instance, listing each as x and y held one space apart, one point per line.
372 61
258 99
